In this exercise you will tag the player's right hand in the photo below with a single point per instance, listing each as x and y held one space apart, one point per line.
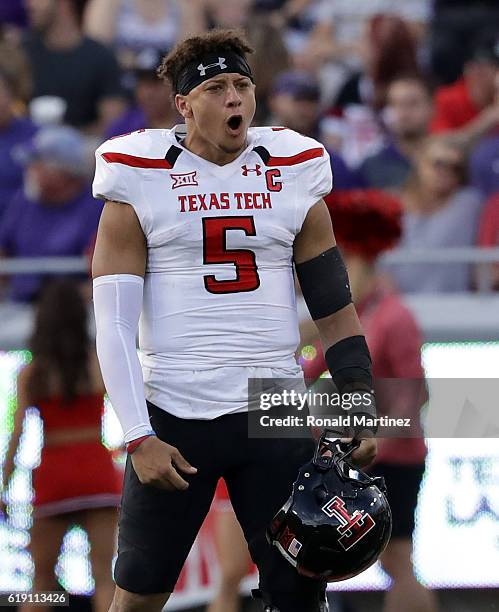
157 463
365 453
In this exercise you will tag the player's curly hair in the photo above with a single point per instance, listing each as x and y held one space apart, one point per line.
196 47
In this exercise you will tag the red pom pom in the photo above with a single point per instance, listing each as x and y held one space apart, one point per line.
365 221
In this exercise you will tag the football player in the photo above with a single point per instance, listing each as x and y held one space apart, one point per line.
201 226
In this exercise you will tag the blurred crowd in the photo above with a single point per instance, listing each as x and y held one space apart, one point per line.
404 94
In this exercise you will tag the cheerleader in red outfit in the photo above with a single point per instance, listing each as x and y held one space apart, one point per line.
76 481
366 223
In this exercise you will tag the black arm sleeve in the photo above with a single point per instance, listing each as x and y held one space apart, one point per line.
349 363
324 283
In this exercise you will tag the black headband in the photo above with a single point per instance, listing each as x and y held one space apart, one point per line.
196 72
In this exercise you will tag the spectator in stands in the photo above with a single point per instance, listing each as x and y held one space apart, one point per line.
339 27
14 63
65 63
454 23
129 26
153 99
76 481
407 117
13 131
234 14
55 214
484 165
270 58
469 107
366 224
294 104
389 50
296 19
484 159
488 236
440 211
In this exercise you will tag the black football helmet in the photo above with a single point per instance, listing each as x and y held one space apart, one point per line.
337 521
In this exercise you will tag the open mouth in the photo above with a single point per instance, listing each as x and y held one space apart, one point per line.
235 122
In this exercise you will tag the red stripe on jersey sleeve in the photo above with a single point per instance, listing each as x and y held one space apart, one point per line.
295 159
136 162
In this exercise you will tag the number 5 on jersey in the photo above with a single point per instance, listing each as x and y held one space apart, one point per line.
215 251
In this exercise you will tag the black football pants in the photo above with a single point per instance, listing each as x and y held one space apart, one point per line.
157 528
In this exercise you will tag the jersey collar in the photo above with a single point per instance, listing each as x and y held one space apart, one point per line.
179 132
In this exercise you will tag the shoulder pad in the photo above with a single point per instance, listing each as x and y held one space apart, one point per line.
278 146
141 149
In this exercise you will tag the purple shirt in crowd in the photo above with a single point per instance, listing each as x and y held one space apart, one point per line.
130 121
31 229
19 131
484 165
343 176
13 11
386 169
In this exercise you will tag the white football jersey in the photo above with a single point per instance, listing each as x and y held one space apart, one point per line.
219 300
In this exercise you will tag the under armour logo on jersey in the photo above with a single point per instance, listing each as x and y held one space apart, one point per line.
181 180
256 169
221 62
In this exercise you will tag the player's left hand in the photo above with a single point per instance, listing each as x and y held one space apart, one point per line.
365 453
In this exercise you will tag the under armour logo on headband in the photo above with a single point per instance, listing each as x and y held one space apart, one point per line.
221 63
